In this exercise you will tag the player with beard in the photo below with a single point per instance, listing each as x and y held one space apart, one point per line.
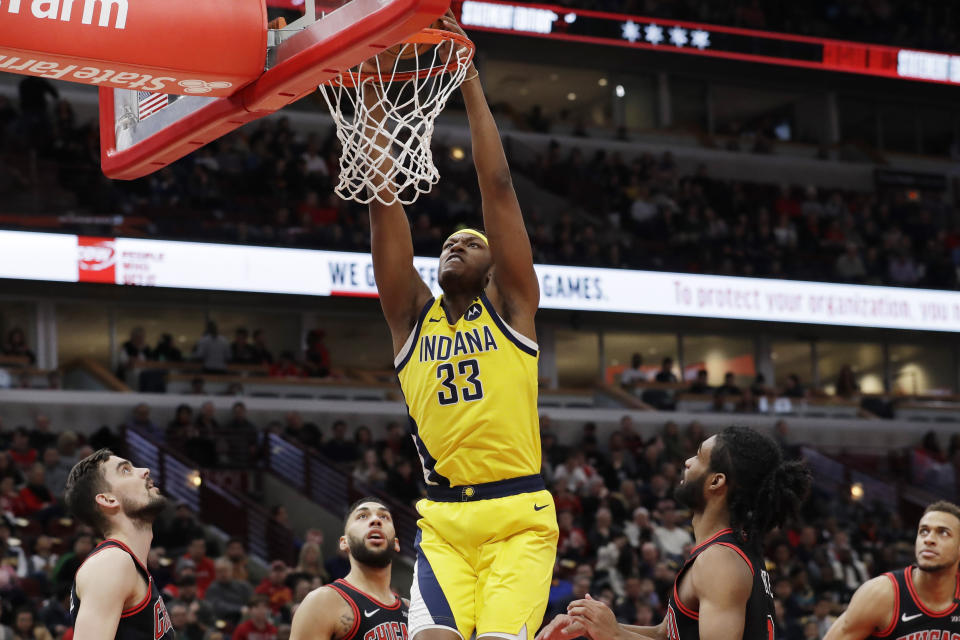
362 605
113 595
738 488
918 601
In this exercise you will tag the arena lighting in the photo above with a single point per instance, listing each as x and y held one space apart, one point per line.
856 491
194 479
717 41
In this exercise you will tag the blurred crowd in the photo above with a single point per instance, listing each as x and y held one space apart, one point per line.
649 216
270 184
622 536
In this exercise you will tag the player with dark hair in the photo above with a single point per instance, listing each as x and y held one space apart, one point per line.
467 364
738 488
918 601
362 605
113 595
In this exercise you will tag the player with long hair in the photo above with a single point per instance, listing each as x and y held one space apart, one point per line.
738 488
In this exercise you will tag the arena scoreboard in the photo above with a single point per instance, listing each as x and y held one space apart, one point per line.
700 39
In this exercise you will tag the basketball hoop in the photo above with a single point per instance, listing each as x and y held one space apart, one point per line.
386 108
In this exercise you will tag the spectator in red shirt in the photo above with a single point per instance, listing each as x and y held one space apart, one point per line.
257 626
35 496
20 450
317 356
273 587
203 566
285 367
320 213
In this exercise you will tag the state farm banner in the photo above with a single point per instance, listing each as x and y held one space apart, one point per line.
176 46
221 267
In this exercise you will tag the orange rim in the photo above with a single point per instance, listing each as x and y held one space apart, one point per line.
426 36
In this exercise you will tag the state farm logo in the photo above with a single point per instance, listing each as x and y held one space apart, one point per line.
202 86
96 259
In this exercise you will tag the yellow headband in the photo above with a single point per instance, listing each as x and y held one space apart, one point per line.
472 232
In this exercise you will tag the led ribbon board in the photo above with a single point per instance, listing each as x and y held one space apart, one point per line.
226 267
717 41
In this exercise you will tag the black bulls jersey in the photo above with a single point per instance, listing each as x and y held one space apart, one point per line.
372 619
683 623
148 619
912 620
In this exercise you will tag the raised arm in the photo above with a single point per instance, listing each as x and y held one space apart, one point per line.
104 584
870 612
514 280
402 291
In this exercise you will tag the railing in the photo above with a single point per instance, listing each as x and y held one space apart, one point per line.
324 483
233 512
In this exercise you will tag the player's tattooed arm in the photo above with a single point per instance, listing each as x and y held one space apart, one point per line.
345 624
323 615
870 612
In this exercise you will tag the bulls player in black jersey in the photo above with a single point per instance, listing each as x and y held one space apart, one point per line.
113 595
920 601
738 488
361 606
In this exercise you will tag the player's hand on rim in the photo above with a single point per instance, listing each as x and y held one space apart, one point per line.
449 22
596 618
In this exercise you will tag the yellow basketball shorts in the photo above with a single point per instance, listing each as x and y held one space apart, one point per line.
484 565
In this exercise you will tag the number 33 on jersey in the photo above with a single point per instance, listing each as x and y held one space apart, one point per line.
471 392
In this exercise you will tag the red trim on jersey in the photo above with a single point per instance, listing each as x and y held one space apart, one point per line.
353 605
683 609
137 608
391 607
908 574
128 550
710 539
742 555
896 608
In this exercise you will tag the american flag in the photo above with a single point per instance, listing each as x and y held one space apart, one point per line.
149 103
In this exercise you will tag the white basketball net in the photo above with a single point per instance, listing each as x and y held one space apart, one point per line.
385 112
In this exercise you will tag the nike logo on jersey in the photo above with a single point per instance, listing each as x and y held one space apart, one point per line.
435 319
369 613
907 618
538 507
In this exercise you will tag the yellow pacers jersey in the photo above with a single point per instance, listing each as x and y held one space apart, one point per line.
471 391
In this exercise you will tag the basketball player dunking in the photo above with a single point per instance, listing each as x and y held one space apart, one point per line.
738 488
360 606
920 601
113 594
467 363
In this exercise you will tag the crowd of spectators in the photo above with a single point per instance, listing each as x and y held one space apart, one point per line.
649 216
622 535
661 388
270 184
904 23
215 353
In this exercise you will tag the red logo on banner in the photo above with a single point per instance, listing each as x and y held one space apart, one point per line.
96 259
